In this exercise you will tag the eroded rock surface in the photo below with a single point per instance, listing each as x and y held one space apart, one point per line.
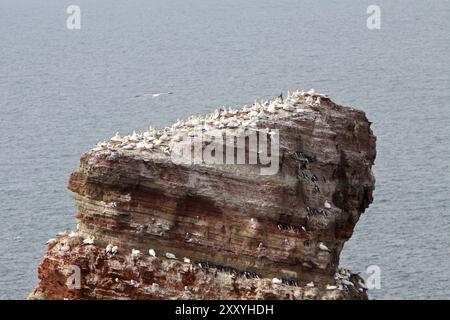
245 235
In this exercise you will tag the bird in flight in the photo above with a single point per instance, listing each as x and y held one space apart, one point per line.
153 95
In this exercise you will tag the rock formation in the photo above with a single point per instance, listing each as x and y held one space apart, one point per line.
226 228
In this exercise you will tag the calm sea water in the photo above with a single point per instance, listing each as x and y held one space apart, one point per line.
62 91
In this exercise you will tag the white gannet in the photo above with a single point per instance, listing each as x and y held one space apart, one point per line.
152 253
114 249
153 95
134 137
51 241
327 205
108 248
129 146
143 145
277 281
310 285
64 248
186 260
177 138
88 241
232 124
272 108
170 256
347 283
73 234
116 138
135 252
362 284
134 283
288 107
331 287
323 247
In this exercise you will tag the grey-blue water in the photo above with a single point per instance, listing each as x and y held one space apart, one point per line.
61 91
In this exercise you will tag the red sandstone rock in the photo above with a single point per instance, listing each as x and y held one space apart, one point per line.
243 228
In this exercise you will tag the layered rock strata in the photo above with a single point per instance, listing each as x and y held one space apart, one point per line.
245 229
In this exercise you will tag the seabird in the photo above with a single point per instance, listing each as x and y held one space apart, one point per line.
153 95
108 248
134 283
88 241
186 260
152 253
331 287
73 234
116 138
135 252
64 248
362 285
327 205
170 256
277 281
323 247
310 285
51 241
114 249
347 283
232 124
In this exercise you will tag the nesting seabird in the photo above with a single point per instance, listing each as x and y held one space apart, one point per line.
152 253
347 283
277 281
51 241
88 241
331 287
64 248
323 247
73 234
327 205
170 256
134 283
135 252
108 248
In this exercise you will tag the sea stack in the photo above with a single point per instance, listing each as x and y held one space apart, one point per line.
268 225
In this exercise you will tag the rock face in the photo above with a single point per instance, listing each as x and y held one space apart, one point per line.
220 230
